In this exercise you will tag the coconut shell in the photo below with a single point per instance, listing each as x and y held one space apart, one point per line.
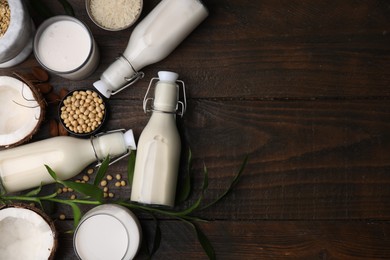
41 102
44 216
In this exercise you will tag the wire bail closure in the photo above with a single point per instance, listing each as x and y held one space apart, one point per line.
150 108
118 158
131 80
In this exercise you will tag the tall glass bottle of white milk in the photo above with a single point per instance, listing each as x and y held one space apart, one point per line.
152 40
23 167
158 152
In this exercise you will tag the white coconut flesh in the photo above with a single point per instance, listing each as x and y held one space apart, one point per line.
24 235
19 111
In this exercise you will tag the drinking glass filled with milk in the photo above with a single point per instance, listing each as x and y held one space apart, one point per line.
65 46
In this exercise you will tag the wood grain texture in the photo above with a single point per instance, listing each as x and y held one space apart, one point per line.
268 240
300 87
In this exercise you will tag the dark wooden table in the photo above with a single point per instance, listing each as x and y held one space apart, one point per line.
302 87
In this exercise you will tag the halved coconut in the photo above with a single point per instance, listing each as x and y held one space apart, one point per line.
26 233
21 111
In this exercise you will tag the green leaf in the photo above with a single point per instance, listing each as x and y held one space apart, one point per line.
76 213
192 208
85 188
232 184
196 205
102 171
205 178
34 192
238 175
51 172
67 7
39 202
185 190
131 167
156 238
205 242
2 190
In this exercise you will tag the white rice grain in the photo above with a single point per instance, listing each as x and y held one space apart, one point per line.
115 14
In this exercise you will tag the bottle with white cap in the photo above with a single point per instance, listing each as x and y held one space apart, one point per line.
158 154
152 40
23 167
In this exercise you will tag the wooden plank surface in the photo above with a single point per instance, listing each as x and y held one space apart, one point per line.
302 87
270 240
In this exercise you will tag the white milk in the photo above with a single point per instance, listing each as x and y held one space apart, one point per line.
158 155
153 39
65 46
95 235
23 167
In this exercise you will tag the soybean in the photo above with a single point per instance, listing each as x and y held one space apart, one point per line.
82 111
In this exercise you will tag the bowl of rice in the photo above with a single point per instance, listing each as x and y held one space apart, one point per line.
114 15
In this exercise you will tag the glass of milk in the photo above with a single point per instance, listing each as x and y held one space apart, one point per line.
65 46
108 231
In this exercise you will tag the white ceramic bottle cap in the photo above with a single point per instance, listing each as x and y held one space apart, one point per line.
129 140
102 87
168 76
118 76
166 92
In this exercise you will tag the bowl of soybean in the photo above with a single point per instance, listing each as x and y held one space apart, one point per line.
83 112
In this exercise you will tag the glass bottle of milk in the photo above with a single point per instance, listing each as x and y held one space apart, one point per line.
158 154
152 40
23 167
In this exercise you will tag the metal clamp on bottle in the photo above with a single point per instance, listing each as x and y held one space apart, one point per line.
131 80
181 106
116 159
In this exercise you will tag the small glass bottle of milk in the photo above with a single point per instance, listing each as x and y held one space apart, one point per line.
158 156
152 40
23 167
